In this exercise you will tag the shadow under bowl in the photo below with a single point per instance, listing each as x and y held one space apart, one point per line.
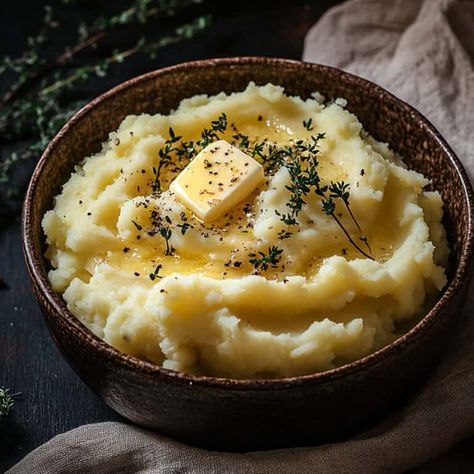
242 415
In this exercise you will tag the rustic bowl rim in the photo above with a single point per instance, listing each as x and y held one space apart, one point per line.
33 258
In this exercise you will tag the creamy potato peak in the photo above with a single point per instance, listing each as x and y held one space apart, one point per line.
316 266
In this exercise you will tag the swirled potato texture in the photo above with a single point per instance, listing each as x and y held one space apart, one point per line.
196 299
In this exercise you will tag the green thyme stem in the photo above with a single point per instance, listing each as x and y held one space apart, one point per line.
349 210
7 400
185 31
30 58
140 12
165 155
117 57
18 87
39 101
101 30
166 233
187 150
341 190
339 223
363 238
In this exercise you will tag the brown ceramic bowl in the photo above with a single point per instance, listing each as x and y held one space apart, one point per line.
253 414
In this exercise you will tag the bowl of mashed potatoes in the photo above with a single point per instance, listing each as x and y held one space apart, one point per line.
249 253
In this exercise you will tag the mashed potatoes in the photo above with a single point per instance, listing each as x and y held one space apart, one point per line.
252 294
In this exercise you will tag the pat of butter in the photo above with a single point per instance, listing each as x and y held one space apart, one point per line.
218 178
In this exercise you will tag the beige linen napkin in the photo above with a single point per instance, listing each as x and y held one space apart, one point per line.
423 51
420 50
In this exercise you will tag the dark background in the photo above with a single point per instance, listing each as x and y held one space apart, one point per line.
53 398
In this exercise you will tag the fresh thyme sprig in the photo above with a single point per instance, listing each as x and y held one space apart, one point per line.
165 158
308 124
101 68
340 190
185 226
41 95
29 59
329 208
88 35
298 188
7 400
209 135
155 273
139 12
299 158
185 150
270 259
301 163
166 232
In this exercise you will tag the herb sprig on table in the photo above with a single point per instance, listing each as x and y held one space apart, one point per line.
7 400
41 88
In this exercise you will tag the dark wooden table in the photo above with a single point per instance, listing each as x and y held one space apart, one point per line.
54 399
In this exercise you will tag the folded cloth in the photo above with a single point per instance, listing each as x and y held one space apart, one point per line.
420 50
423 51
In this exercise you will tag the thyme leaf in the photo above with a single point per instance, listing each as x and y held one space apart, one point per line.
185 227
155 274
307 124
137 225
